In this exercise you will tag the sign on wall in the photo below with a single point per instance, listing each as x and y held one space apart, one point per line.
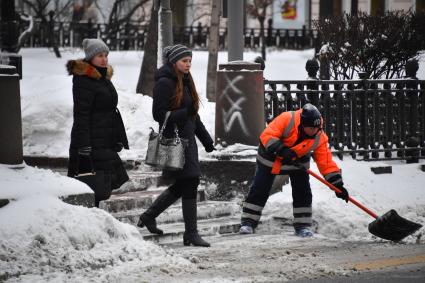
289 13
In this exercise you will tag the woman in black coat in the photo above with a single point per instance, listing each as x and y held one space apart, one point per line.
175 91
98 131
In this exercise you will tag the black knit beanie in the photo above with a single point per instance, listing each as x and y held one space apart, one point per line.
176 52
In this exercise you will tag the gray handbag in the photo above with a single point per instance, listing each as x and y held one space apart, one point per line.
166 153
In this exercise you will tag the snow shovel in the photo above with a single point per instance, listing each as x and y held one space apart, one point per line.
389 226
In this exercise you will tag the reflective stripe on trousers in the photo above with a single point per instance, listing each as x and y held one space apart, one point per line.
259 194
302 216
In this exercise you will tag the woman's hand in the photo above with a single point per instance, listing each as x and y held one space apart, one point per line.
210 148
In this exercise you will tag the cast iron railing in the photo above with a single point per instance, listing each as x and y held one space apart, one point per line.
373 119
132 36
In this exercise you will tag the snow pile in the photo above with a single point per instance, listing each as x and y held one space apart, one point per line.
402 190
26 181
43 239
235 151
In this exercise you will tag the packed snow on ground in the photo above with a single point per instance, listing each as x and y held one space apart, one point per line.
44 239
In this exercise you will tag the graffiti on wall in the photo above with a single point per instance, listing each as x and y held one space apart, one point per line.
234 97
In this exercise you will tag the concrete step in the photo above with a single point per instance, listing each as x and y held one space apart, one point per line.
139 181
206 210
207 227
136 200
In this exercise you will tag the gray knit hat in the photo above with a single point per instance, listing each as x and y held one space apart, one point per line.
176 52
93 46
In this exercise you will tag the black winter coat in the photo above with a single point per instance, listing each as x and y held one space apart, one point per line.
188 126
97 121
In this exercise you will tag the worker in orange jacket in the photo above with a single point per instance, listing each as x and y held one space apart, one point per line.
287 144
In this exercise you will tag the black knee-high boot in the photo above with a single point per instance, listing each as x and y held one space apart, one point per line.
191 235
161 203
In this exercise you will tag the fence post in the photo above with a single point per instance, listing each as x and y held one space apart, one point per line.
364 113
401 121
389 119
240 103
278 41
71 38
375 117
10 117
303 37
412 140
269 32
199 35
191 36
312 66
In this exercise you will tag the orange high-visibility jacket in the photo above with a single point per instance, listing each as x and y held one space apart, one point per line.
286 128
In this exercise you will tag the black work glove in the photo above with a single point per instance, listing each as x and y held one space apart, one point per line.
210 147
336 180
191 111
288 155
278 149
118 147
85 164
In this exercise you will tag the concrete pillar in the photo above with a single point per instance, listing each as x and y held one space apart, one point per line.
239 116
235 30
10 117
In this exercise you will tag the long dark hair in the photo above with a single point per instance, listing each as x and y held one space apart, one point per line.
180 88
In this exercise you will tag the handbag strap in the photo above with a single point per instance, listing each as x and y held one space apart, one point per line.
164 124
176 131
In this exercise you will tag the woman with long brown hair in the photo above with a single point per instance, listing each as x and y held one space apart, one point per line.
175 91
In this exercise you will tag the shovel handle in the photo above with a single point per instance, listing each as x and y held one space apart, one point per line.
332 187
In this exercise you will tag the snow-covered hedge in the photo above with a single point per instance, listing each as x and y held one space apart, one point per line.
377 45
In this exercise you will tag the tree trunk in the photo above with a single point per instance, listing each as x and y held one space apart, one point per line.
146 80
213 50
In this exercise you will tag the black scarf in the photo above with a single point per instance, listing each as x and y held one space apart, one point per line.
102 70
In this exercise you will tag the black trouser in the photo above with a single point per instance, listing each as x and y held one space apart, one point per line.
186 188
259 194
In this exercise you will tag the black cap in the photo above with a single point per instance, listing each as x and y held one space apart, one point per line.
310 116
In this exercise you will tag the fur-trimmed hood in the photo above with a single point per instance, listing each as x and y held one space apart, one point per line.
82 68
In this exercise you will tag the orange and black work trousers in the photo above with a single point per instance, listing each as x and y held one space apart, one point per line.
259 194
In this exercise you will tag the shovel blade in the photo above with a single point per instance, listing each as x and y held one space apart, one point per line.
393 227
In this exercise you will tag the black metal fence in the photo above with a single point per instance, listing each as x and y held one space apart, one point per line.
369 119
132 36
